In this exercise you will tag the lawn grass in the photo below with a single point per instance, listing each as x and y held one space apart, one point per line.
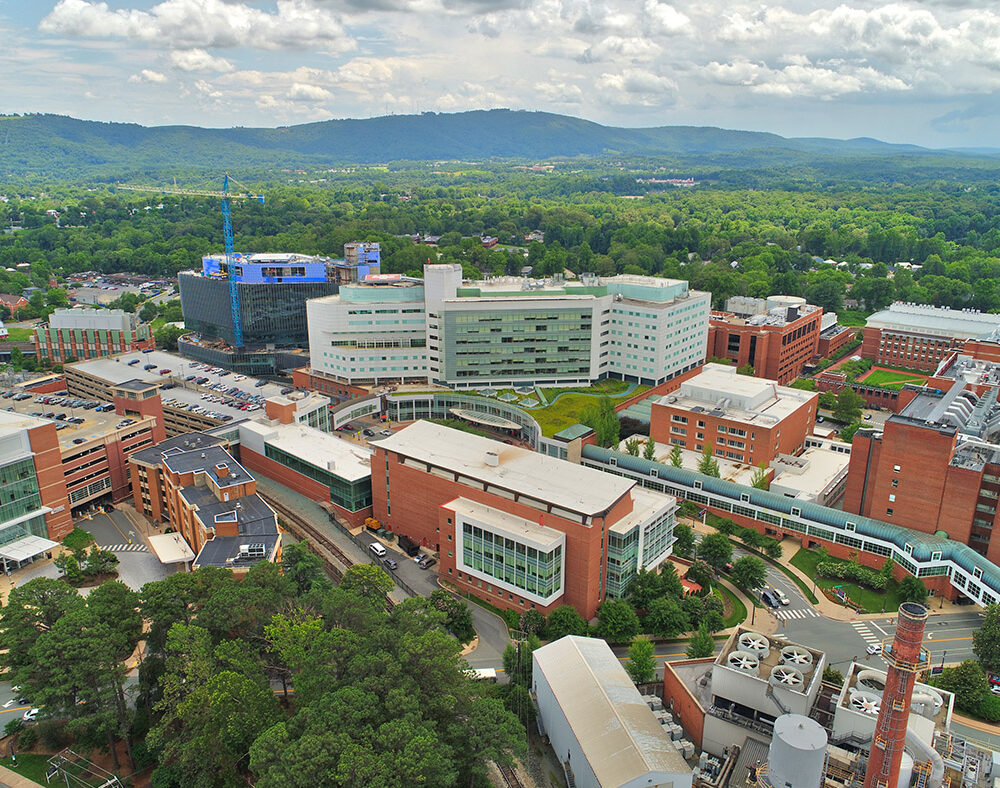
567 409
157 323
852 317
806 560
20 334
889 379
739 614
29 765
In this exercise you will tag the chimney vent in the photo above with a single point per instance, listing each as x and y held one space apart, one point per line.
222 470
492 459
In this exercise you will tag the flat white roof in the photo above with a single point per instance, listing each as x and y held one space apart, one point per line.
171 548
718 390
12 422
809 474
558 482
26 547
939 320
349 461
617 731
646 505
524 530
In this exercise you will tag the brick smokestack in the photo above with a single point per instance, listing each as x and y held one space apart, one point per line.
905 659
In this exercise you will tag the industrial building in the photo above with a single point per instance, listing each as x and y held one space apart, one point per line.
737 417
508 330
601 729
272 290
920 336
776 336
75 334
518 528
936 464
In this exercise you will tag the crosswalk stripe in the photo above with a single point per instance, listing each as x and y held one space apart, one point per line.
135 547
789 615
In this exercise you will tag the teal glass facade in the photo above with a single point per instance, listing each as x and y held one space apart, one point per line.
352 496
19 496
509 561
627 553
516 344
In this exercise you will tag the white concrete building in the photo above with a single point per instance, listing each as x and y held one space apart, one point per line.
508 330
601 729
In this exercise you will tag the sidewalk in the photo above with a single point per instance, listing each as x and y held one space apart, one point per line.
826 607
12 779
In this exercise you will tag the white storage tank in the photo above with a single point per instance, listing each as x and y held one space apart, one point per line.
905 770
784 301
798 752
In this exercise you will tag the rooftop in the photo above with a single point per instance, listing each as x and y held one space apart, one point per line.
646 504
205 460
563 484
719 391
617 731
189 441
349 461
525 530
924 319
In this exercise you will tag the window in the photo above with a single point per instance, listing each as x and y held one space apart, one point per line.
894 483
895 469
850 526
888 512
892 498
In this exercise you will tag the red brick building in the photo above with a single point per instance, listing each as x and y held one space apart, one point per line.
936 465
741 418
777 336
917 336
518 528
91 333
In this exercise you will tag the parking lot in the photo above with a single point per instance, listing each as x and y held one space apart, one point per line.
75 419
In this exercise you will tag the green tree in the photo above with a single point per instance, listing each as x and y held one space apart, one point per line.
617 621
601 417
68 564
708 465
632 446
565 620
701 644
517 663
100 562
367 581
912 589
847 433
649 449
166 338
641 665
676 456
701 573
749 573
833 676
32 610
849 405
715 550
666 618
148 312
532 622
967 680
684 540
644 588
303 567
761 478
986 640
458 619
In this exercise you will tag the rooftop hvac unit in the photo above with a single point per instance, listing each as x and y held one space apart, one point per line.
254 550
797 657
744 662
788 677
865 702
755 643
872 681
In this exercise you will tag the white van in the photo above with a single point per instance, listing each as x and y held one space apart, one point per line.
377 549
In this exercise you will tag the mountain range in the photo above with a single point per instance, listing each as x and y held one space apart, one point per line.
41 144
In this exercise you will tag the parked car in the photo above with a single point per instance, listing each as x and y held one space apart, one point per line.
769 599
427 563
133 362
874 648
30 714
260 383
782 596
79 440
368 433
390 563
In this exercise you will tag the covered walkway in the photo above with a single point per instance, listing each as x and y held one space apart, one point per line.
24 550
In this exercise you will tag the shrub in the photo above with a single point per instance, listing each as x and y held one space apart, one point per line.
988 708
27 738
13 726
53 734
854 572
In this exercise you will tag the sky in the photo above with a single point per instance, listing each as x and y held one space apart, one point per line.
925 72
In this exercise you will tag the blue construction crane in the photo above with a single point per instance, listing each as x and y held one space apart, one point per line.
227 233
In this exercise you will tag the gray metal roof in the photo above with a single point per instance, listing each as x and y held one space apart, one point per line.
923 544
205 459
189 441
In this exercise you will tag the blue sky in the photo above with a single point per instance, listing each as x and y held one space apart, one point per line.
922 72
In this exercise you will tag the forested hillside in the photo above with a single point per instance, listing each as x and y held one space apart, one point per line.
51 144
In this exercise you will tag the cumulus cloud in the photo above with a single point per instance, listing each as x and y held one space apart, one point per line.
146 75
636 86
198 60
617 47
189 24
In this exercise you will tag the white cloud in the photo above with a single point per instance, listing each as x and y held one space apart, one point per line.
637 87
559 92
616 47
198 60
201 24
664 18
304 92
146 75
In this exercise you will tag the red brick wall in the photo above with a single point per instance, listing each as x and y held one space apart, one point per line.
827 346
305 378
985 351
912 351
149 407
303 485
777 356
416 497
44 443
682 703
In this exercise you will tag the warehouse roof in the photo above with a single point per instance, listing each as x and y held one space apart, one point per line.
617 731
925 319
557 482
